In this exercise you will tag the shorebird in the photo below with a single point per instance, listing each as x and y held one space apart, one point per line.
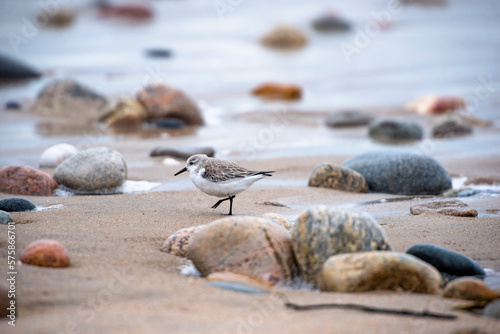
220 178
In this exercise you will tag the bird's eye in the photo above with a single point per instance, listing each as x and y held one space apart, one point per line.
191 162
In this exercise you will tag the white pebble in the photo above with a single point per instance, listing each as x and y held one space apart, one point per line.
56 154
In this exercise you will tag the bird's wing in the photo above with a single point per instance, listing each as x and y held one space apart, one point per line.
225 171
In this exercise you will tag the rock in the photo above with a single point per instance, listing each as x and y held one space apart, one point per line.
469 288
63 17
69 99
130 11
169 123
330 23
432 105
278 91
284 37
492 310
5 217
162 101
339 178
393 131
125 114
159 53
92 170
177 244
468 330
446 261
46 253
23 180
244 245
56 154
321 232
348 118
12 106
11 69
4 298
452 207
398 172
227 276
451 128
367 271
281 220
16 204
182 154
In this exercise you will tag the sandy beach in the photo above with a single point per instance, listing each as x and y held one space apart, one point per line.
120 282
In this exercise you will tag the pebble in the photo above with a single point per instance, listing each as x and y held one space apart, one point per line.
452 207
130 11
348 118
433 105
183 154
169 123
12 106
245 245
278 91
159 53
394 131
492 310
446 260
400 172
13 69
45 253
469 330
5 217
63 17
284 37
23 180
177 244
16 204
331 23
469 288
281 220
321 232
367 271
161 101
56 154
91 170
227 276
127 113
339 178
451 128
69 99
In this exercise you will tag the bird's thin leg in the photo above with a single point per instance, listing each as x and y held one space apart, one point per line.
231 205
222 200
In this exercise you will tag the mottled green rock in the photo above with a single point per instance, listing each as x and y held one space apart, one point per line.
369 271
278 219
452 207
321 232
338 177
393 131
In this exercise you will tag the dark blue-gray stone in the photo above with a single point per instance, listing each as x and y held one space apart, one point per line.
12 105
14 69
5 217
446 261
16 204
169 123
394 131
348 118
331 23
402 173
238 287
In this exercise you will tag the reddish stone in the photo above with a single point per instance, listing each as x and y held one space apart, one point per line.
22 180
278 91
128 11
46 253
177 244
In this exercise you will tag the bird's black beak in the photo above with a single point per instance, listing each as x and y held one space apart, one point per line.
181 171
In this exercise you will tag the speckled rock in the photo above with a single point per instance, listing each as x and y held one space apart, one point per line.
492 310
177 244
125 114
451 128
446 261
245 245
45 253
69 99
161 101
348 118
56 154
321 232
339 178
453 207
469 288
394 131
23 180
5 217
16 204
278 91
330 23
284 37
367 271
398 172
281 220
4 297
91 170
182 154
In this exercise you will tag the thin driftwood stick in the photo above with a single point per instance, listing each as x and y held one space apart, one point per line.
425 314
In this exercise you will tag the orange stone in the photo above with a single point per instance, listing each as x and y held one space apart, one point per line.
177 244
46 253
278 91
22 180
